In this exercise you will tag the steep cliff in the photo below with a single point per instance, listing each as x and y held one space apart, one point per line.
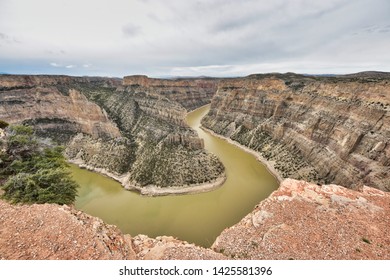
166 152
190 93
136 137
321 129
38 100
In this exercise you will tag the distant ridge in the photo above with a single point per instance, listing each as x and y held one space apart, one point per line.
372 74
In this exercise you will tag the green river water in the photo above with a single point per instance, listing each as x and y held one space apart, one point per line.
196 218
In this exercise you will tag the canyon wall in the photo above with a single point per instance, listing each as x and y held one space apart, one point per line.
320 129
191 93
133 136
41 101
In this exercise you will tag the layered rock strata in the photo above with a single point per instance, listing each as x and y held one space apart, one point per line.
166 152
320 129
190 93
136 137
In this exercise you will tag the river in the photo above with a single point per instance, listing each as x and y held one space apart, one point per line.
196 218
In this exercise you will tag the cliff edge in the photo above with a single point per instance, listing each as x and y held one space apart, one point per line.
298 221
306 221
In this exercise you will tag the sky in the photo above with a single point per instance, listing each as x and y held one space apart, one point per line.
193 37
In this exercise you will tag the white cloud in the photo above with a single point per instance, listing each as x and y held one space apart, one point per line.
55 64
210 37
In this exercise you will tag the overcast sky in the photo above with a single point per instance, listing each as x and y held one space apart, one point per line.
203 37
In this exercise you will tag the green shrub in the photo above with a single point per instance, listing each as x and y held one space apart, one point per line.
35 173
3 124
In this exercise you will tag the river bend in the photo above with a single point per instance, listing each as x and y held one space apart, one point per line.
196 218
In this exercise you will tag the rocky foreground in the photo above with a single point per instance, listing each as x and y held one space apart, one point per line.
298 221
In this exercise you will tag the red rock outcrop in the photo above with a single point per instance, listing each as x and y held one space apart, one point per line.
51 231
298 221
306 221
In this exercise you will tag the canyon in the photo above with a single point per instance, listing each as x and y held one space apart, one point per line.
319 129
315 133
131 133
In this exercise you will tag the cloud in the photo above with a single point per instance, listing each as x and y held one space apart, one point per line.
217 37
54 64
8 39
131 30
58 65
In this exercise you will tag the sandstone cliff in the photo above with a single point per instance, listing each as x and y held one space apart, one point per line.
190 93
137 137
298 221
166 152
321 129
36 100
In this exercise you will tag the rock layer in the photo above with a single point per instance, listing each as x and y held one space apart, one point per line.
190 93
320 129
40 103
127 132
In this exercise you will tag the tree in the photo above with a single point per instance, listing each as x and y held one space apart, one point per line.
35 172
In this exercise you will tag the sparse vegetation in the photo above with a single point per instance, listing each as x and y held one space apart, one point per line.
3 124
34 172
366 240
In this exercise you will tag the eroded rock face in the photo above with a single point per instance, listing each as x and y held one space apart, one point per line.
320 129
50 111
190 93
305 221
166 152
134 134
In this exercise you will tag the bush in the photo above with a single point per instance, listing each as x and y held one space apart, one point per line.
3 124
35 174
